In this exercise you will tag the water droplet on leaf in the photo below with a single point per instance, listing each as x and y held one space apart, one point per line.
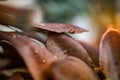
43 61
36 51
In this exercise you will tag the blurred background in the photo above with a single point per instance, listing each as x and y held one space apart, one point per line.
93 15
